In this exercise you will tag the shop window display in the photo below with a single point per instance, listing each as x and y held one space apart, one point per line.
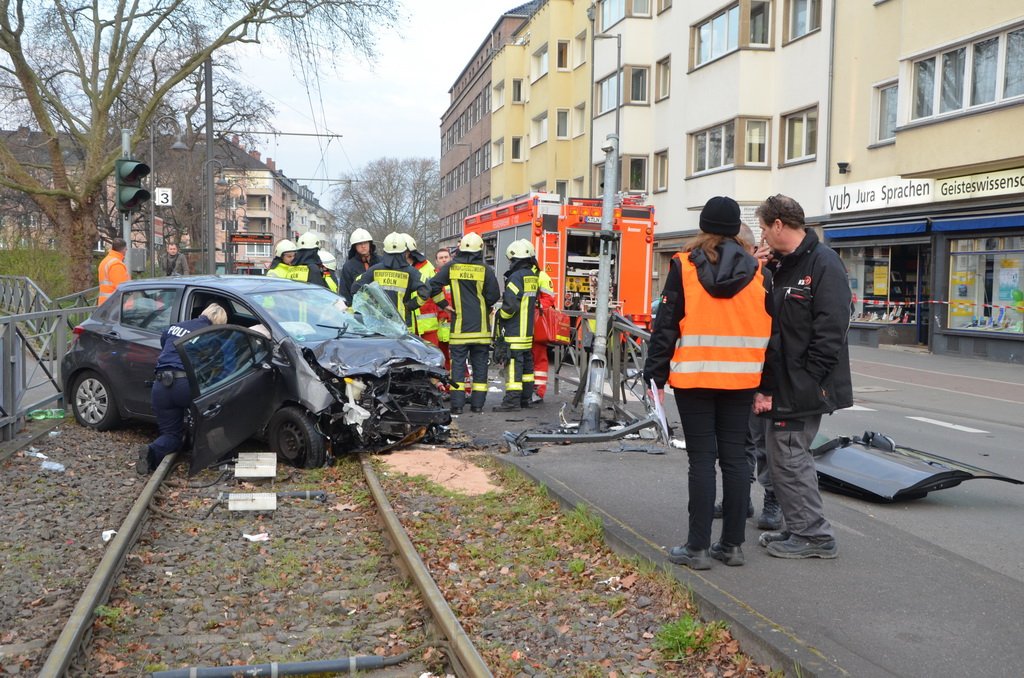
986 285
883 282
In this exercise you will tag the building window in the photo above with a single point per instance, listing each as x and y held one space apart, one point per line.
663 5
985 284
562 123
562 57
637 85
886 120
498 154
975 74
717 36
641 8
661 171
755 142
608 94
577 187
714 148
801 135
636 174
562 188
804 17
612 11
517 91
579 120
598 185
539 129
539 63
580 50
517 148
539 187
499 95
760 22
663 85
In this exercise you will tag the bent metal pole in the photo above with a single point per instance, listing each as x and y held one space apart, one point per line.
591 419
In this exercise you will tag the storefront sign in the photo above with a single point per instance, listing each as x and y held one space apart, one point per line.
1009 182
878 194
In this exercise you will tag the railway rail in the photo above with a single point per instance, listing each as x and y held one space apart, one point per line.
186 587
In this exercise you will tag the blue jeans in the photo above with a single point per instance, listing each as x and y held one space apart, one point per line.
169 405
715 423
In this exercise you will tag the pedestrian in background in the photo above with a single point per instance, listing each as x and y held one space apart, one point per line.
515 321
474 290
807 373
174 262
362 254
708 342
112 270
171 393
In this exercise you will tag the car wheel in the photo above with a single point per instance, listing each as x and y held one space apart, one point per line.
93 402
293 436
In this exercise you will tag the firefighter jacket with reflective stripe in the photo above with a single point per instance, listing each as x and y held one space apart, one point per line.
400 281
517 304
722 340
329 279
282 270
112 272
474 289
426 314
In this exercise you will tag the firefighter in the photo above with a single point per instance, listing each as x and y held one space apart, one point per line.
474 290
329 264
516 325
545 300
112 271
427 323
402 282
362 254
308 257
282 264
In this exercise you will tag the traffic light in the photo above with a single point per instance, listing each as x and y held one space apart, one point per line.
130 193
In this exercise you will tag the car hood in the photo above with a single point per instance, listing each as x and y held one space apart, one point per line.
376 355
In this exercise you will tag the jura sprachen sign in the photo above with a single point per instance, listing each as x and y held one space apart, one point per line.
879 194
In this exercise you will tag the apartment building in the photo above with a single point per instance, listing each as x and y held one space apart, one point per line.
466 130
925 196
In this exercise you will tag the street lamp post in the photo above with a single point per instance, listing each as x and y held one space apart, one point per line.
178 145
229 245
210 226
592 15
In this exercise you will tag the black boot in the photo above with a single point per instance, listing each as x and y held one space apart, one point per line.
771 514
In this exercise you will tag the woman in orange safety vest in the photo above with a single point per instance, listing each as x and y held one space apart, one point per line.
708 342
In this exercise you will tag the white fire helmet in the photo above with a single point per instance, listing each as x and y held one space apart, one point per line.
471 242
309 240
284 246
360 235
520 249
395 243
328 260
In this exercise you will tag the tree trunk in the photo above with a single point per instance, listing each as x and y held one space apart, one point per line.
79 228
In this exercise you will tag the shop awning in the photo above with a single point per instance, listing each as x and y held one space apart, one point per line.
905 228
979 223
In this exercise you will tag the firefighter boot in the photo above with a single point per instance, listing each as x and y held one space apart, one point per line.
510 403
527 395
476 401
458 400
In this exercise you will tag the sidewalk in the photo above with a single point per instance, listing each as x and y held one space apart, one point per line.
892 604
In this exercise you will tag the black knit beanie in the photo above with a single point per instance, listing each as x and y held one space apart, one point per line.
721 216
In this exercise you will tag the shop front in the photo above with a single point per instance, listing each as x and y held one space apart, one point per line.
929 267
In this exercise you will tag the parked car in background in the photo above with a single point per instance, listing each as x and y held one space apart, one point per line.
292 366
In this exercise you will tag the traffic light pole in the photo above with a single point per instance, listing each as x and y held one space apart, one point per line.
126 217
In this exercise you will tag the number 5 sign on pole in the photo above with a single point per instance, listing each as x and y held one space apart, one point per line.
162 197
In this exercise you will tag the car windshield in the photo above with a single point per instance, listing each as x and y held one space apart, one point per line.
316 314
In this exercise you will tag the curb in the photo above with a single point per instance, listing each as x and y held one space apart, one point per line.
765 641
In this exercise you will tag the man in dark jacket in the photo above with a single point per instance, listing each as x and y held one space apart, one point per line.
361 256
402 283
308 257
806 373
474 289
173 261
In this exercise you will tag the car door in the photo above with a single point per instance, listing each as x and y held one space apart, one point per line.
233 388
134 342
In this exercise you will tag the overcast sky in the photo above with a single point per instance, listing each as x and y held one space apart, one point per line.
392 107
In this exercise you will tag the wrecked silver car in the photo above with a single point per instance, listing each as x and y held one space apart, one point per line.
293 366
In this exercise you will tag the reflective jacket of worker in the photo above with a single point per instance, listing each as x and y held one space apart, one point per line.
330 263
397 278
474 290
308 256
112 270
545 301
171 394
515 322
283 263
362 254
427 323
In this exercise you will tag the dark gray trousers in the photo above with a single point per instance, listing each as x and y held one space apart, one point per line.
757 456
794 477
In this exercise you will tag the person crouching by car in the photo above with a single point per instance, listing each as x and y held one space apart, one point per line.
171 393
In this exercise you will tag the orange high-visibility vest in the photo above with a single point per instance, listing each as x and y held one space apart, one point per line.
112 272
722 342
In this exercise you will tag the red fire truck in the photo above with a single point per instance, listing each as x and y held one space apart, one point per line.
567 240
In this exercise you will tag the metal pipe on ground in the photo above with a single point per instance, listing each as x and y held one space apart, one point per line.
332 666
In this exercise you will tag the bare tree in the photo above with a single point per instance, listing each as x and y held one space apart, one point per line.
79 72
392 194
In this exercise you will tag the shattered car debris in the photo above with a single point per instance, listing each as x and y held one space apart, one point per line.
328 381
874 467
